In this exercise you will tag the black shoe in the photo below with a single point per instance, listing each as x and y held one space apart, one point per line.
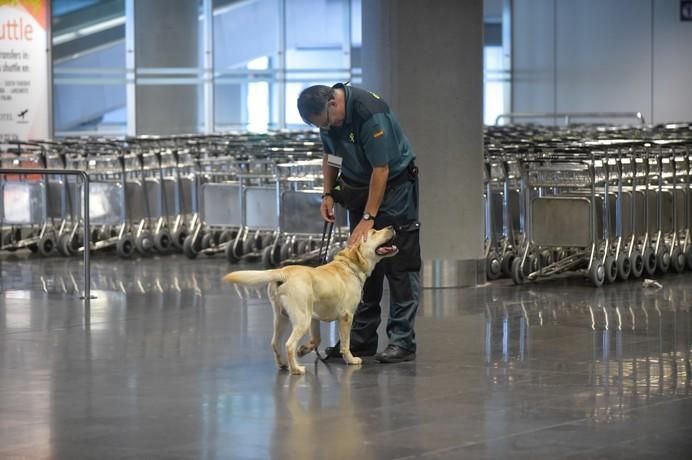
394 354
335 352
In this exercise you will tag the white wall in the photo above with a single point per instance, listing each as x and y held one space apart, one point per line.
602 55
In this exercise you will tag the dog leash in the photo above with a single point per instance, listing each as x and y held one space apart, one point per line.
327 231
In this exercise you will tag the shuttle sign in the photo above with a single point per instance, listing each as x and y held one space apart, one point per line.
24 69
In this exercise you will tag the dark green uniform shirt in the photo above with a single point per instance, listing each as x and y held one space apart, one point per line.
370 136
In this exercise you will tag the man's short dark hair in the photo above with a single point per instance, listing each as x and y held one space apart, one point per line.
313 101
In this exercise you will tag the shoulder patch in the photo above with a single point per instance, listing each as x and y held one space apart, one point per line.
379 133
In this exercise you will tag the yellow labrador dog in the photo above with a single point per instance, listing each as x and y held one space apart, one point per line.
307 295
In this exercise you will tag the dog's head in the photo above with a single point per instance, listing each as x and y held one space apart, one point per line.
378 246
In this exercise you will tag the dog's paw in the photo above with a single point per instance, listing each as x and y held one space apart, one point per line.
304 350
298 370
355 361
280 363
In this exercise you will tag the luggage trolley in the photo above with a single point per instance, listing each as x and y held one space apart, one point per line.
227 223
217 217
63 199
108 166
300 225
566 222
24 220
260 194
501 212
675 184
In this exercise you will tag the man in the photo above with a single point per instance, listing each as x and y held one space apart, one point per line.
369 167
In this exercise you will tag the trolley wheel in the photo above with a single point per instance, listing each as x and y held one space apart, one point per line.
507 260
689 258
636 263
266 257
125 246
65 245
268 240
611 269
46 246
248 245
546 258
227 235
663 260
493 268
269 256
257 242
33 248
231 255
163 242
190 249
517 272
144 243
532 264
178 239
284 252
677 260
239 249
207 241
597 273
303 247
649 261
624 266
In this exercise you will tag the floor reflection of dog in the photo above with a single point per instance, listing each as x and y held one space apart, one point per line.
304 415
306 295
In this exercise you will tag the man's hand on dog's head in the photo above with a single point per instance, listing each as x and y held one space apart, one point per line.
360 233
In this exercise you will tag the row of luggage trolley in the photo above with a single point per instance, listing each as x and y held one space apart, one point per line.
246 196
608 203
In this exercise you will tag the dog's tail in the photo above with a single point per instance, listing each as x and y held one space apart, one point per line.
255 277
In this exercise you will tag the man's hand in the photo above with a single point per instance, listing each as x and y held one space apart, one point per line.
361 231
327 209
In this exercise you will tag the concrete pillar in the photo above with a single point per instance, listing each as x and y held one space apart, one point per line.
426 60
165 35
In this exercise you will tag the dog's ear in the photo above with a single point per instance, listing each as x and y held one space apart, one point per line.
358 258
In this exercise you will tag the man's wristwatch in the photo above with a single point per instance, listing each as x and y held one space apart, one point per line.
368 216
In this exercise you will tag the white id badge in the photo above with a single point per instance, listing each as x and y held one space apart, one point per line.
333 160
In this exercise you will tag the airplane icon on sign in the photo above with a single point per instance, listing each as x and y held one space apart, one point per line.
23 113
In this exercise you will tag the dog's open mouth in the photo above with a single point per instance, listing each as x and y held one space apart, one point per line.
387 249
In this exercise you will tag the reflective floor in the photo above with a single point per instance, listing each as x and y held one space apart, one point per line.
169 363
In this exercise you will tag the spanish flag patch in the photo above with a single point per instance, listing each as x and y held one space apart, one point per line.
379 133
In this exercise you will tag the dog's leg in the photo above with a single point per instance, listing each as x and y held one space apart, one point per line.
301 324
299 309
315 339
345 322
280 320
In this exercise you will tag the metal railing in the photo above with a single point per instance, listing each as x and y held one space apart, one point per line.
567 116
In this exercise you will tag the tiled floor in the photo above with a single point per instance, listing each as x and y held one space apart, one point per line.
169 363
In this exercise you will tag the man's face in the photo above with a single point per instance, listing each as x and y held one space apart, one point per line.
328 118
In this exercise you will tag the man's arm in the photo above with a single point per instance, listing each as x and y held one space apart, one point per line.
378 185
329 173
